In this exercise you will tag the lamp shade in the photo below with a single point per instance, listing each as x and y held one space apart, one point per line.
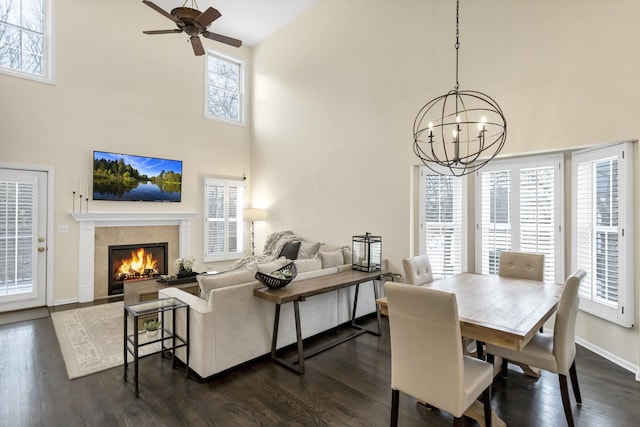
254 214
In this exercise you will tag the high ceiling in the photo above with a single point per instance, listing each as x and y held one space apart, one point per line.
248 20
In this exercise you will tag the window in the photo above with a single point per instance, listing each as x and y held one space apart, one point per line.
520 208
442 225
25 38
224 83
224 228
602 236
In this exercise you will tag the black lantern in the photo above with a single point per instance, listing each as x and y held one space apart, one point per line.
367 253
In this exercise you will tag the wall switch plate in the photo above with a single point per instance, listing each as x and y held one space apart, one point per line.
63 228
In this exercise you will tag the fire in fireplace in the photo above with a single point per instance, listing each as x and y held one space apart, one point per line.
135 262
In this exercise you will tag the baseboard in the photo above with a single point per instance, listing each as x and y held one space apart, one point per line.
610 357
65 301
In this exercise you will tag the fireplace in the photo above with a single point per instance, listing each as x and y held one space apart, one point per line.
135 262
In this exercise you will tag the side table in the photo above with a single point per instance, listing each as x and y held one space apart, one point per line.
166 340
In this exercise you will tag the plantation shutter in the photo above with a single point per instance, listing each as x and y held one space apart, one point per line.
603 203
521 209
495 202
537 214
17 215
442 222
224 236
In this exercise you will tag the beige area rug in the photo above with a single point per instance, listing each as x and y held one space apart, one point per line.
91 338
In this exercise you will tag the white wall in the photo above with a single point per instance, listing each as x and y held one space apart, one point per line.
118 90
337 90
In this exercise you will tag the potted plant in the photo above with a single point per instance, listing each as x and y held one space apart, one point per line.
152 327
185 266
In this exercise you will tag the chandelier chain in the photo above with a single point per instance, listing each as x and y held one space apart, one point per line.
457 40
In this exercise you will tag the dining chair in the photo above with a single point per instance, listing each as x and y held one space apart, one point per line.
521 265
554 352
417 270
426 356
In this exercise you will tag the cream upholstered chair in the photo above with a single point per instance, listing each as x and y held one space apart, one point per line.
521 265
417 270
426 356
557 352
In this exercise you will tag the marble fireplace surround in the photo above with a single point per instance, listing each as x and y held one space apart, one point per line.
90 221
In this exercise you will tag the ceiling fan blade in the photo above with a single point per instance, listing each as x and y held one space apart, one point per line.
197 46
160 10
222 39
207 17
163 31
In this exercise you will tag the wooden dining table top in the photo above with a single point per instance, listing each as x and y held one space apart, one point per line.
499 310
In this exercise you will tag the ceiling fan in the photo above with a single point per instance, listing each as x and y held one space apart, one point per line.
194 23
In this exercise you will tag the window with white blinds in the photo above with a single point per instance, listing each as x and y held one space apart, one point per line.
224 228
17 212
602 236
520 207
441 223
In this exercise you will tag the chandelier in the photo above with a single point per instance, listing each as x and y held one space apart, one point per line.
461 131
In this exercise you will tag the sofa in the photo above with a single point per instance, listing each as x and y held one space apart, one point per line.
230 326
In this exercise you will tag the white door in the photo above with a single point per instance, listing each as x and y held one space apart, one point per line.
23 245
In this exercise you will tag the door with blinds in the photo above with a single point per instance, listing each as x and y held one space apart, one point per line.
520 208
23 246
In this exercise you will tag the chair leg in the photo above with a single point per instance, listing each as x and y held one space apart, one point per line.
395 398
503 371
566 403
485 398
574 383
480 349
490 358
458 422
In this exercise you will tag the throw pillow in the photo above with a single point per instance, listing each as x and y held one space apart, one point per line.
268 267
332 259
290 249
346 252
308 250
224 279
311 264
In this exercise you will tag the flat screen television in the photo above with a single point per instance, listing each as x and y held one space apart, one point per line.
136 178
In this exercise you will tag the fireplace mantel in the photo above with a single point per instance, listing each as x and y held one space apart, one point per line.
107 219
88 221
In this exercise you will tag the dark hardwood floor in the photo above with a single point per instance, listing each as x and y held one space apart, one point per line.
348 385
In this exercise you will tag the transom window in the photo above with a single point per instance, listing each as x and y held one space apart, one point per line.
25 38
224 83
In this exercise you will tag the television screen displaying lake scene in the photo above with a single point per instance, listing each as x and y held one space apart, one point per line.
136 178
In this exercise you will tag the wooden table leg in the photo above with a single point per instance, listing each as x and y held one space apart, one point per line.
476 412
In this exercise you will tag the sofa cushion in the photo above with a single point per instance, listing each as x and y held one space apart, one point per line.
268 267
308 250
304 265
332 259
290 249
227 278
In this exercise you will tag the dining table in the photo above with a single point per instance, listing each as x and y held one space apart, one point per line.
499 310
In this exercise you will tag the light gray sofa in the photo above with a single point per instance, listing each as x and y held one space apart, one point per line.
231 326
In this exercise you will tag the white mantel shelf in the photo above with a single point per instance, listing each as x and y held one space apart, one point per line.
128 217
89 221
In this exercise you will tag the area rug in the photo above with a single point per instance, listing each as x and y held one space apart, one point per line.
90 338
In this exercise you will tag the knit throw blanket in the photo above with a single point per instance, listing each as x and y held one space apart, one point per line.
274 244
